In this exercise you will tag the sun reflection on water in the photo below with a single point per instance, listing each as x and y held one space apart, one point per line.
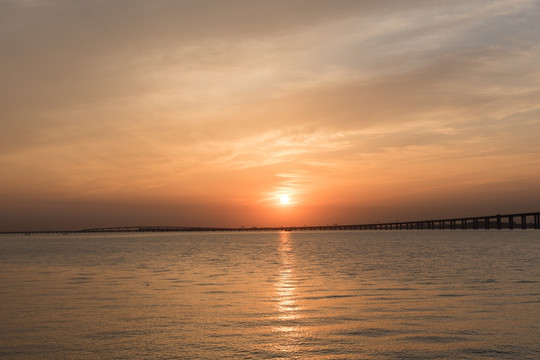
286 296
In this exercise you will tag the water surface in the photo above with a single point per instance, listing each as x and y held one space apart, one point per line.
278 295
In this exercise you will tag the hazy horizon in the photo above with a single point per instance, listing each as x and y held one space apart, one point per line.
205 113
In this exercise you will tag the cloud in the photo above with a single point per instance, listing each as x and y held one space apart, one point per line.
125 98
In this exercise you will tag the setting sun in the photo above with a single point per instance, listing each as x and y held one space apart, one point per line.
284 199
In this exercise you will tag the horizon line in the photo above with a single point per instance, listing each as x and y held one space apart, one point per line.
432 224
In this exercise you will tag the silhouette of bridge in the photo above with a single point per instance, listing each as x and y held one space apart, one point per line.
523 221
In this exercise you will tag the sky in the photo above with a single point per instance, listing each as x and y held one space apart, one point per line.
206 112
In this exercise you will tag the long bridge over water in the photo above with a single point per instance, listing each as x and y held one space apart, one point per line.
523 221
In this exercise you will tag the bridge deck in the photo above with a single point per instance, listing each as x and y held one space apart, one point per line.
525 221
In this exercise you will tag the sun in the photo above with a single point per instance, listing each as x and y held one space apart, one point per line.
284 199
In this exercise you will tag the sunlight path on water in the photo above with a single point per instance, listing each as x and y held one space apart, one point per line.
287 298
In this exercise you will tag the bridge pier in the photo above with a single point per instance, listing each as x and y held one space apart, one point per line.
523 222
486 223
511 222
499 222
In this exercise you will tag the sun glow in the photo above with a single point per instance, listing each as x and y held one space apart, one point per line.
284 199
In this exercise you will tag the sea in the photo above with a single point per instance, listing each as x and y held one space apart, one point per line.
439 294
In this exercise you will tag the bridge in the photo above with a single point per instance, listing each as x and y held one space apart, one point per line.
509 221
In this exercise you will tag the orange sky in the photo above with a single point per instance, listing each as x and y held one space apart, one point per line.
205 112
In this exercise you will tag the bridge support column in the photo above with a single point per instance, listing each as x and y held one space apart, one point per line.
523 222
463 224
499 222
475 224
511 222
537 221
486 223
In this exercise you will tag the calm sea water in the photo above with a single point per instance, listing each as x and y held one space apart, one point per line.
313 295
